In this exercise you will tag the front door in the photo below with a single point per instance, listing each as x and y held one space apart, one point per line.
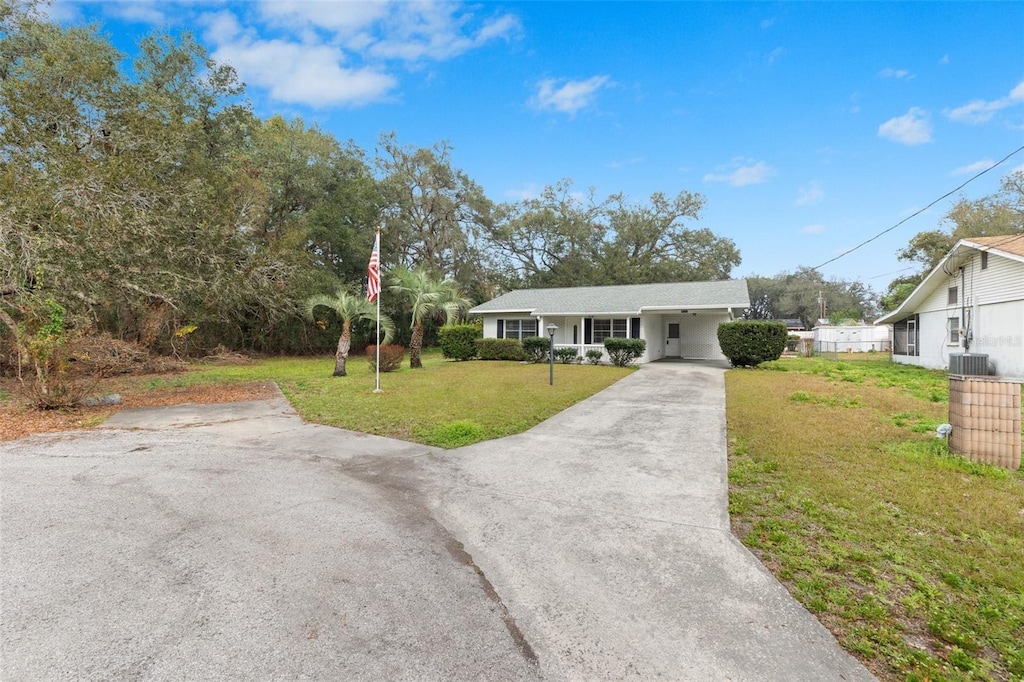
672 340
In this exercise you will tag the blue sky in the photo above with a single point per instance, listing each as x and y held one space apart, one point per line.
808 127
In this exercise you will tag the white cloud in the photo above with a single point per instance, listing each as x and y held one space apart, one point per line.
898 74
767 23
530 191
913 128
982 111
309 74
775 55
944 60
622 164
810 194
813 229
139 12
345 53
569 97
747 173
972 168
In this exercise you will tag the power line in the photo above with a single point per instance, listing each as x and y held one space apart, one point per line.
886 274
919 212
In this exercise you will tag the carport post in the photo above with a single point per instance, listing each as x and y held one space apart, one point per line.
551 354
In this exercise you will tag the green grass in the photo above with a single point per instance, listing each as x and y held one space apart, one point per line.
913 557
446 404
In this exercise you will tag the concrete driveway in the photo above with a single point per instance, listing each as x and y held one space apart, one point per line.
236 542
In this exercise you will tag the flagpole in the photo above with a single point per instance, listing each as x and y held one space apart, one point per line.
377 364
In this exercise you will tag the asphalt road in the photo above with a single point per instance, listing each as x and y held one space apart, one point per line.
236 542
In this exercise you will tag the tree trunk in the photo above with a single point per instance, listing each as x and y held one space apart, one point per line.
344 345
415 346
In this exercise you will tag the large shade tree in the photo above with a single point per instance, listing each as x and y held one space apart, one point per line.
563 238
427 298
349 308
994 215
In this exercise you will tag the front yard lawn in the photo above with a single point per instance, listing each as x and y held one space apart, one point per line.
912 557
446 404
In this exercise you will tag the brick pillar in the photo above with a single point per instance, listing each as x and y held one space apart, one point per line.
984 412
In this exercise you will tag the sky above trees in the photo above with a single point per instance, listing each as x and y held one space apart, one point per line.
808 127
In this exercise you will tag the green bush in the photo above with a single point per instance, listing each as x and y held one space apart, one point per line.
536 348
390 357
458 341
748 343
622 352
567 356
594 356
499 349
791 342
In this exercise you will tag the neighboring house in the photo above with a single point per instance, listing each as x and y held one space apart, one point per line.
677 320
793 324
973 301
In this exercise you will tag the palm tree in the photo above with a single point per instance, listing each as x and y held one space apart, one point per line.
441 300
349 308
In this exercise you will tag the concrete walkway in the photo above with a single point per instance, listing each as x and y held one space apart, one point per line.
236 542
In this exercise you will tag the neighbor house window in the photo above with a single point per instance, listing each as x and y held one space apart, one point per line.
516 329
953 298
954 330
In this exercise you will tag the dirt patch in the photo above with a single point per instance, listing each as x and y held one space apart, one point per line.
19 419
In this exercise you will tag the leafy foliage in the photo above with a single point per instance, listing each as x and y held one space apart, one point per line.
458 342
748 343
561 239
567 356
499 349
536 348
806 294
349 308
622 352
427 298
999 214
594 356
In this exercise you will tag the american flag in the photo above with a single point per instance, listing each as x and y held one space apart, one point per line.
373 272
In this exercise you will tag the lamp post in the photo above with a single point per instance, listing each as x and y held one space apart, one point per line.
551 354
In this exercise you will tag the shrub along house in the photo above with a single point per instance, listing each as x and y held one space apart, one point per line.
973 301
677 320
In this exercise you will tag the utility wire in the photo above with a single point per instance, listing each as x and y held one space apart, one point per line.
919 212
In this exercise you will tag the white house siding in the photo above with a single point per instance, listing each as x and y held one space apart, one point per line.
699 336
490 326
999 333
652 330
993 299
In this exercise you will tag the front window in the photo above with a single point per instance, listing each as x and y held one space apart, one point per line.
604 329
520 329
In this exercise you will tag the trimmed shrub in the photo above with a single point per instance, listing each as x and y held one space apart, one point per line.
499 349
536 348
566 356
391 356
748 343
791 342
622 352
458 341
594 356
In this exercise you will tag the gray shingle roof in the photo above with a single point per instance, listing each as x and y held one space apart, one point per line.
627 298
